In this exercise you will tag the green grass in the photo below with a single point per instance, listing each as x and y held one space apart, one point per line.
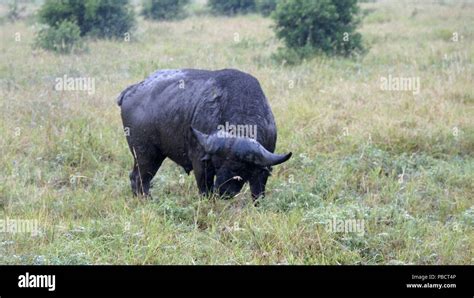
401 162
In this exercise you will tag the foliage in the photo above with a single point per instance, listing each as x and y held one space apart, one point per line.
232 7
14 11
326 26
100 18
163 9
266 7
63 38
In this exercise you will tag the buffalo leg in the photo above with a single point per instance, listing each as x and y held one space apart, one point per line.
204 173
144 169
258 183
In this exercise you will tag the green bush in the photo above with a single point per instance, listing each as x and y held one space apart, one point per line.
163 9
15 11
232 7
100 18
63 38
266 7
308 27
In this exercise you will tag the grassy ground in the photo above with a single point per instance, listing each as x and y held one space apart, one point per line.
401 162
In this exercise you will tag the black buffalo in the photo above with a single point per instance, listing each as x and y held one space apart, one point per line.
183 114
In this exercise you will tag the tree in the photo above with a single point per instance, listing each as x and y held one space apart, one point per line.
163 9
232 7
308 27
100 18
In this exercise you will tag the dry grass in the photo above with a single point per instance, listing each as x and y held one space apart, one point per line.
353 142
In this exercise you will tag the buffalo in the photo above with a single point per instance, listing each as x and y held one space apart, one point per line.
195 118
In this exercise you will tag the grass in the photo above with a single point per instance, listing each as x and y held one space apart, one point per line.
401 162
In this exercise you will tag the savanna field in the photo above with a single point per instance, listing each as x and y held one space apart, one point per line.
403 163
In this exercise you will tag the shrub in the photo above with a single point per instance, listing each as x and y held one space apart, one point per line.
100 18
232 7
163 9
266 7
15 11
308 27
63 38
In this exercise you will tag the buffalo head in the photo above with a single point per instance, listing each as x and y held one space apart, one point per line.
236 160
